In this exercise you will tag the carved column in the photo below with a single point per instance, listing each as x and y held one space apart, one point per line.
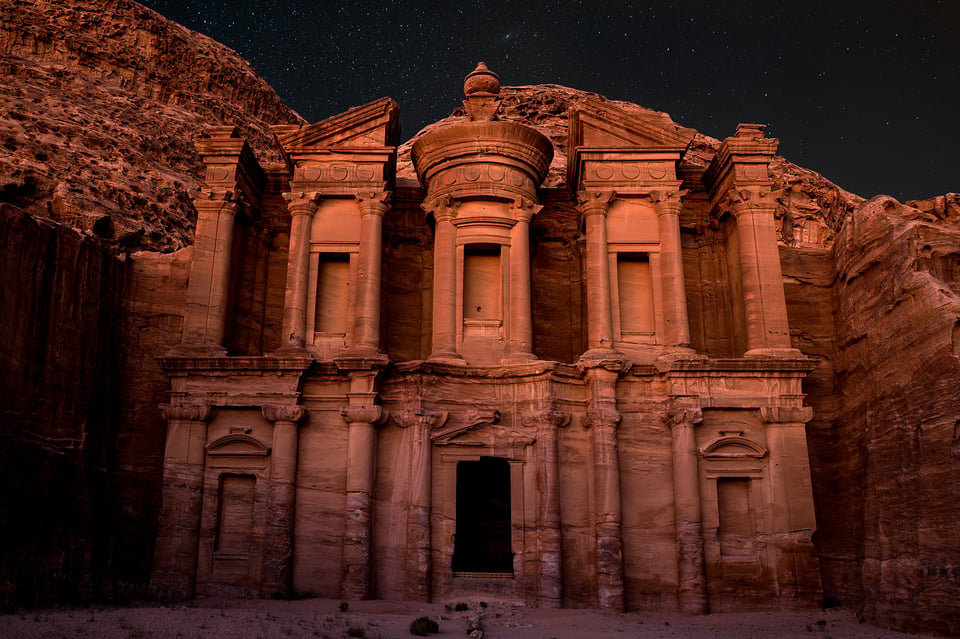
282 498
366 333
604 420
593 209
792 511
302 207
548 423
691 590
178 535
444 280
361 471
677 327
520 343
209 286
418 564
765 307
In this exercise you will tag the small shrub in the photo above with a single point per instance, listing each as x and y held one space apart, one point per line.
422 626
356 631
344 606
483 604
461 606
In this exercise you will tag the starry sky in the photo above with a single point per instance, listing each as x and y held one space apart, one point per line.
865 92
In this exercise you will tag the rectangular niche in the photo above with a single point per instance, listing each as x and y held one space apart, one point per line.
333 288
635 294
482 305
235 515
737 519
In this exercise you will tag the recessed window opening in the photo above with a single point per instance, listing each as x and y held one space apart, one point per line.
635 288
333 285
737 519
483 535
235 514
481 282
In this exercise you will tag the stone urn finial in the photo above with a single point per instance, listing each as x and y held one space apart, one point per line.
481 88
481 81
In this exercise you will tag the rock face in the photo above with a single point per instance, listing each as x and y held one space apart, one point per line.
99 135
102 101
60 293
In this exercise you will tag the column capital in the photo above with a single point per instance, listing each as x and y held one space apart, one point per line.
428 419
744 201
668 201
373 202
594 202
601 417
547 418
443 208
283 412
525 208
302 203
684 416
785 414
187 412
375 415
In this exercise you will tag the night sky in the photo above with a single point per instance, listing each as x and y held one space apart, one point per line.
867 93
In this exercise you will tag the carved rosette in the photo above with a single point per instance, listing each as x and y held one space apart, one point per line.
284 413
187 413
375 415
302 203
606 417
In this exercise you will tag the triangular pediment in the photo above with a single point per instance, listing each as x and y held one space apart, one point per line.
596 124
375 125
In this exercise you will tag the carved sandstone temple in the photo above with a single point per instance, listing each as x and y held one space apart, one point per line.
473 384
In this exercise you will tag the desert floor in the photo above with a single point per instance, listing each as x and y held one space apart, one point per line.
216 618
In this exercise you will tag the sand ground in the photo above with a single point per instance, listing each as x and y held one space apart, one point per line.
221 618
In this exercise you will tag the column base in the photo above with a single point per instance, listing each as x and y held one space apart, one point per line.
519 358
774 353
446 357
198 350
291 351
603 357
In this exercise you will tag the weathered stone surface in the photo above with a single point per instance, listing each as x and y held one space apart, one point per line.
898 311
60 296
668 505
103 100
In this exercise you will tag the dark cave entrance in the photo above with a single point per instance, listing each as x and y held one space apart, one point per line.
483 537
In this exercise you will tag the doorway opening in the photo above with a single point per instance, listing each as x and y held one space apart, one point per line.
483 536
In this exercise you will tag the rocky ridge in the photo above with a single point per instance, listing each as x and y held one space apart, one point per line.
101 101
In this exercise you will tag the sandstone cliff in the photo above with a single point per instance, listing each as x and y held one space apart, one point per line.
97 133
101 103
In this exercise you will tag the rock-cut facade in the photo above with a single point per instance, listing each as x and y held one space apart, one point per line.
571 393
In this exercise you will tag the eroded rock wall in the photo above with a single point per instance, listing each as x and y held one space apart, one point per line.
897 304
60 293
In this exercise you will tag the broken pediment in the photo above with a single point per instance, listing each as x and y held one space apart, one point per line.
373 125
600 125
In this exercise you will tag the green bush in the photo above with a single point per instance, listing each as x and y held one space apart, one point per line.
461 606
356 631
422 626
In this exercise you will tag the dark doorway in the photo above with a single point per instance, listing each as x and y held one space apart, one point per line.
482 542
